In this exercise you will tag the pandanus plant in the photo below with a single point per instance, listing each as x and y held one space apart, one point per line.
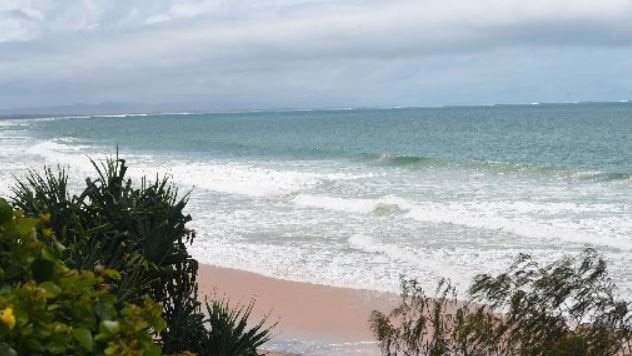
138 230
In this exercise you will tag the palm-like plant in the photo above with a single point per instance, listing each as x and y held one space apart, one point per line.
140 231
229 334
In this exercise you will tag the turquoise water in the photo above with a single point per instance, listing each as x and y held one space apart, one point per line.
593 137
357 197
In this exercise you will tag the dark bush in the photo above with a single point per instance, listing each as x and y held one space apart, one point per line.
47 308
565 308
229 334
140 231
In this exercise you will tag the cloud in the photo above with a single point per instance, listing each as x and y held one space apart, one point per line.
216 45
19 24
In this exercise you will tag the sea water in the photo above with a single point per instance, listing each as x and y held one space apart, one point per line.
356 198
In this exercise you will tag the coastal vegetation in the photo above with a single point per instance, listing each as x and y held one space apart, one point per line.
566 308
106 270
48 308
132 280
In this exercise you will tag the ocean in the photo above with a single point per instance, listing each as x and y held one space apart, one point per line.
359 197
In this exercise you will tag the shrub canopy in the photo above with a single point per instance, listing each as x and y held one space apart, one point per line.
48 308
139 230
567 308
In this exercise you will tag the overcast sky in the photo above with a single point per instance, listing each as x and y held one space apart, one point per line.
314 53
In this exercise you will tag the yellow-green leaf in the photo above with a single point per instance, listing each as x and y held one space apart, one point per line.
52 290
112 273
83 337
109 326
49 254
26 225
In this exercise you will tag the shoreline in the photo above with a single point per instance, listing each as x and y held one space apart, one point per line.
306 312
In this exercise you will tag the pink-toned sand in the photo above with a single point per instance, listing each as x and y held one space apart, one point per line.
305 311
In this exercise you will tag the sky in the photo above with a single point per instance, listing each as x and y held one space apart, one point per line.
240 54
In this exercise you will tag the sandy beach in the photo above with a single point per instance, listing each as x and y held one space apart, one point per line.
307 313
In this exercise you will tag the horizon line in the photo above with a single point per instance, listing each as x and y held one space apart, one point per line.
116 113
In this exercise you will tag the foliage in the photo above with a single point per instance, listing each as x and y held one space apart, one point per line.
568 307
423 325
140 231
48 308
228 335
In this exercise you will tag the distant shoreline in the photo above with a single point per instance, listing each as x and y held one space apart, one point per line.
96 111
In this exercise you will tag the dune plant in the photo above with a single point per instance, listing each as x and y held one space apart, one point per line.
229 333
139 230
568 307
47 308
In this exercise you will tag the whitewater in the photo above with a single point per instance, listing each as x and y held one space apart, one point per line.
357 198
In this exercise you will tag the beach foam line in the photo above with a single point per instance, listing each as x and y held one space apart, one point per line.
252 179
571 222
400 254
361 206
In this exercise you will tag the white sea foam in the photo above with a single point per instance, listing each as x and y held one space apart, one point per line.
395 253
121 115
248 179
52 153
13 138
242 179
361 206
358 225
572 222
219 176
51 149
7 122
434 265
530 221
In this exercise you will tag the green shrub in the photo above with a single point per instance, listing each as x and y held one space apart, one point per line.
229 335
140 231
565 308
48 308
423 325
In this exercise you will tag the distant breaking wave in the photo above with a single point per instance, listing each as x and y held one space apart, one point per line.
604 176
58 150
421 162
400 161
357 199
